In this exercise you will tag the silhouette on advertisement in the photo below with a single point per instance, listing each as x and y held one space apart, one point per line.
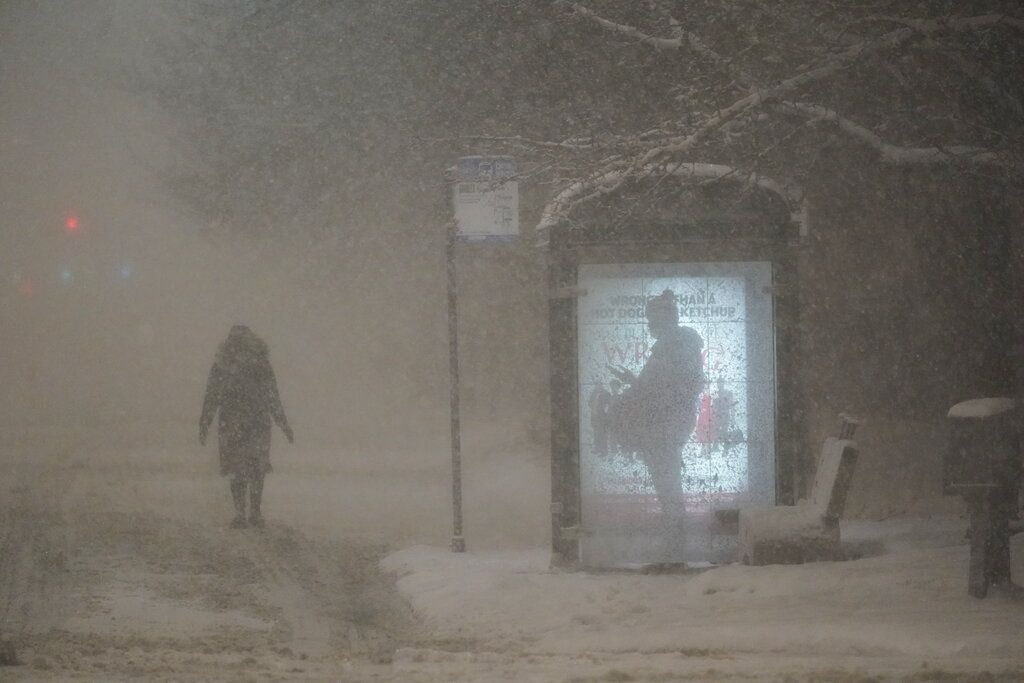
654 413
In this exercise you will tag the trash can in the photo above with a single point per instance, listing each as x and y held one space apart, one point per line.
983 465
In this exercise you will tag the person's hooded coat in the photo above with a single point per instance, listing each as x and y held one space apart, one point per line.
242 389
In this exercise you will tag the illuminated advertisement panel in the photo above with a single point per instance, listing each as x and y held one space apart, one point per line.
677 407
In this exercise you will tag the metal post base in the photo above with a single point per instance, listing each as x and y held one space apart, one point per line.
458 544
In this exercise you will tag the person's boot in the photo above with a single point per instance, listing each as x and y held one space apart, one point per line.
255 499
238 496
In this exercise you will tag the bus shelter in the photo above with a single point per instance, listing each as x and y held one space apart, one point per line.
674 365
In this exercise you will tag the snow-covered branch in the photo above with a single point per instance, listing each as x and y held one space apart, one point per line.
569 145
583 191
896 154
680 37
957 24
626 30
660 155
829 67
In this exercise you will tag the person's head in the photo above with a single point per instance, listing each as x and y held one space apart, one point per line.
662 313
242 337
239 332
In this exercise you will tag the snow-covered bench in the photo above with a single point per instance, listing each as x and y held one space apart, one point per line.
808 531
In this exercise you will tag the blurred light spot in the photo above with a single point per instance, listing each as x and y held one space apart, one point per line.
125 271
71 223
65 275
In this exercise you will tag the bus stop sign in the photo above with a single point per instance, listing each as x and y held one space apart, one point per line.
485 196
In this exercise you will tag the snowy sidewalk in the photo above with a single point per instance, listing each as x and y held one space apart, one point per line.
908 603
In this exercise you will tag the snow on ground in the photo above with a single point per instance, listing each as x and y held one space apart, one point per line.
894 611
118 565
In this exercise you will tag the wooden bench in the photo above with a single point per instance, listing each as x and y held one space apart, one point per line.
809 530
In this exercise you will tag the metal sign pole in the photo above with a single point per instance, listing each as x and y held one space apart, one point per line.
458 540
483 203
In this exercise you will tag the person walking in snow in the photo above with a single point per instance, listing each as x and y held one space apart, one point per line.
242 391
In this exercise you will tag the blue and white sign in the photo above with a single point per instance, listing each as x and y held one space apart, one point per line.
486 198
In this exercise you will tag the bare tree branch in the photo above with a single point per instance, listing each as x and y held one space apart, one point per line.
680 37
582 191
957 24
896 154
569 145
626 30
976 71
649 160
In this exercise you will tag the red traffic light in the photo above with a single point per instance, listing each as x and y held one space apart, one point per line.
71 224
